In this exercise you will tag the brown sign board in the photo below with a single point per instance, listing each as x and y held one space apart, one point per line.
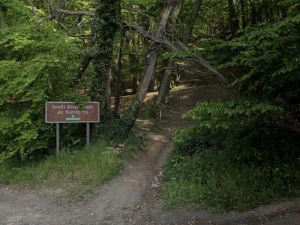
69 112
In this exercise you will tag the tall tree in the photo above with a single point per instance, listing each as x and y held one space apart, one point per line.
153 55
165 81
243 13
233 22
190 26
119 74
105 27
133 111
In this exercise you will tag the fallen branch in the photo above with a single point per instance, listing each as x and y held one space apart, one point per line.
205 64
179 47
145 34
162 41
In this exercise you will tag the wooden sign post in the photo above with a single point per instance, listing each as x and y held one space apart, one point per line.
69 112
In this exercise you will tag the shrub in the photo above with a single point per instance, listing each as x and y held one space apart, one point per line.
265 61
233 157
210 179
35 66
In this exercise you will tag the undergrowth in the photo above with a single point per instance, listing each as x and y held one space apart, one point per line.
232 158
210 180
75 171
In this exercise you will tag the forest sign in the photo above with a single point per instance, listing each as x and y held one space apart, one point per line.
69 112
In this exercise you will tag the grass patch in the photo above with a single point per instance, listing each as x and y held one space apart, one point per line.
74 171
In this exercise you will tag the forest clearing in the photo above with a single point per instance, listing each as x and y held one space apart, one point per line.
141 112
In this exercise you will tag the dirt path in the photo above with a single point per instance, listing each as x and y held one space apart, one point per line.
131 197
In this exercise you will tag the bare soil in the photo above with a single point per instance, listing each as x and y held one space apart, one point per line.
132 196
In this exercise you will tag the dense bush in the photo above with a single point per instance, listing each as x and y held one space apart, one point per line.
210 179
265 62
241 153
232 158
37 63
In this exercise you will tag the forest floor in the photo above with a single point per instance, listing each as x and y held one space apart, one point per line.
132 196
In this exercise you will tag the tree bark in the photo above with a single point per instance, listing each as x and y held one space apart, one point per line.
105 29
108 91
189 29
243 12
153 55
84 65
233 22
119 75
253 13
132 113
165 82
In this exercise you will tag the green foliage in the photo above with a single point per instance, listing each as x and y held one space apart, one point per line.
210 179
237 155
35 66
222 114
9 9
215 118
232 158
119 129
106 25
267 58
149 111
188 140
133 144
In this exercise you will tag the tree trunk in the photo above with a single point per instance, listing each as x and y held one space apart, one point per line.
178 47
165 82
232 17
108 91
153 55
119 75
253 13
85 62
105 29
189 29
243 12
134 60
132 113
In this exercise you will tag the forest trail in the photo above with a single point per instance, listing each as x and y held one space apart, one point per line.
131 197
